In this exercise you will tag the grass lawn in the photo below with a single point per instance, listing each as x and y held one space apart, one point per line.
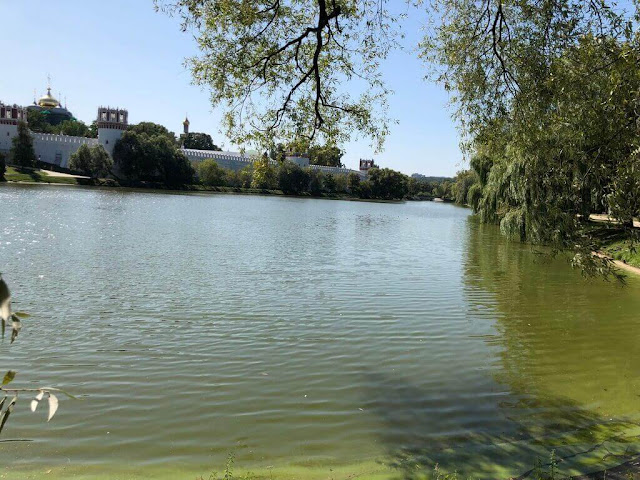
28 175
624 251
615 242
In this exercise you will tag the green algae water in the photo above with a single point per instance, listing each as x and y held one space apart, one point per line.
312 339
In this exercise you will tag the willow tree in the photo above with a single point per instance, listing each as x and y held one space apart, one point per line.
546 92
279 67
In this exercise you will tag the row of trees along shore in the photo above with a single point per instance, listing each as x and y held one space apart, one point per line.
546 94
262 174
148 152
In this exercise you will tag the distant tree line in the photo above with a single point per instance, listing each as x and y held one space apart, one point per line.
327 155
148 152
263 174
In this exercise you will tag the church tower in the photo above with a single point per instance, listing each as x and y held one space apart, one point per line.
186 124
111 122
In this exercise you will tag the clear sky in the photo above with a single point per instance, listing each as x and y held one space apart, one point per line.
122 53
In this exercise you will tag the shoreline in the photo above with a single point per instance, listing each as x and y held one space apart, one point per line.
619 263
625 266
369 468
202 190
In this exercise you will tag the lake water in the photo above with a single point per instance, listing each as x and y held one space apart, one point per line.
312 339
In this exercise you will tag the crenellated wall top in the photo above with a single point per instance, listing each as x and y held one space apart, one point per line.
52 137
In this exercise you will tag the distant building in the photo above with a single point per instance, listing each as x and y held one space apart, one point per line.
52 110
300 159
365 165
184 136
112 122
10 116
185 125
56 149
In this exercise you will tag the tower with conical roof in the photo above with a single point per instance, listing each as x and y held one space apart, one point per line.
185 125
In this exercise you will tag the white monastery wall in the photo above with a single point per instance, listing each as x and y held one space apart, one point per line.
236 161
7 132
107 137
336 170
230 160
56 149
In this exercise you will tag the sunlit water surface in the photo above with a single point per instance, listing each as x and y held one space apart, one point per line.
313 339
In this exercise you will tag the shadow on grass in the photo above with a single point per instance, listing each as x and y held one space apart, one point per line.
30 172
420 432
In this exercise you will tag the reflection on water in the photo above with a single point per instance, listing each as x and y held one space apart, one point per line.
305 335
567 354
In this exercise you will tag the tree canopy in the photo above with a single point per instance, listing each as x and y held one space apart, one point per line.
264 174
292 179
547 95
199 141
38 123
327 154
93 161
22 152
151 129
278 67
210 173
148 152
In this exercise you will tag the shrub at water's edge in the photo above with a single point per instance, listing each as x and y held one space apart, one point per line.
3 167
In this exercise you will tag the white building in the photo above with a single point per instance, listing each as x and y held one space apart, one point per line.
111 123
56 149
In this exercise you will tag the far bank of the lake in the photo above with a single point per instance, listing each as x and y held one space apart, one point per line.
40 177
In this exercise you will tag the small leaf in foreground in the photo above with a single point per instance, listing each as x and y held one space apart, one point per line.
5 416
53 405
5 301
8 377
36 400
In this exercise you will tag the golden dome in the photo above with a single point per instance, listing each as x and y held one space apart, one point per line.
48 100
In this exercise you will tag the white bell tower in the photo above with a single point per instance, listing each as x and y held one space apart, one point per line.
111 122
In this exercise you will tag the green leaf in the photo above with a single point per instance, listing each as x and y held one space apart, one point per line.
5 416
8 377
21 314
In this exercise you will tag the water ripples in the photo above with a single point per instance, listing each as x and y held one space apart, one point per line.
290 330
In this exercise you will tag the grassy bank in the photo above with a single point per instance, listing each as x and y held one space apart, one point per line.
29 175
601 465
625 251
38 176
616 243
365 471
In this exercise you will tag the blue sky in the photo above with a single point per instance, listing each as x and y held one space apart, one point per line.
122 53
